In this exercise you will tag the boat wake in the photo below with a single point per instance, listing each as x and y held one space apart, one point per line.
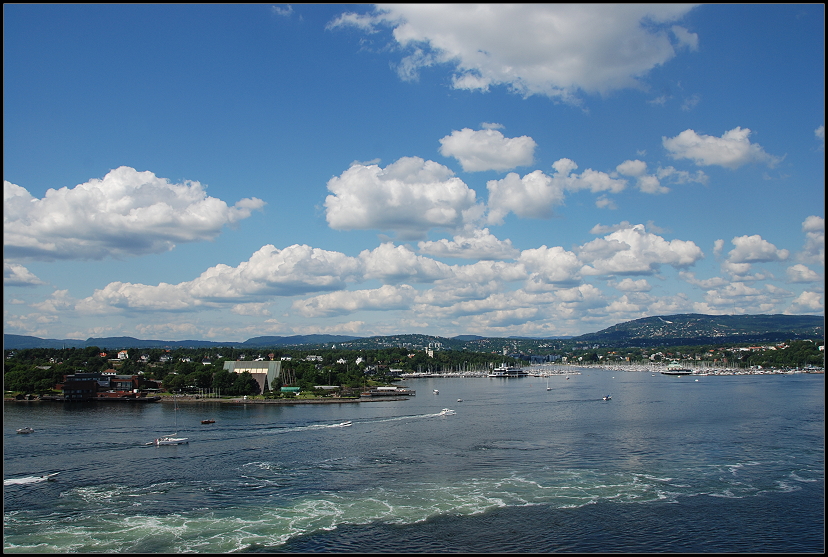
29 479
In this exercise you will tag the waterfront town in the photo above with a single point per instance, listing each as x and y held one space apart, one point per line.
330 374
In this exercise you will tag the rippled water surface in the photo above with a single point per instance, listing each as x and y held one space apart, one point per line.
669 464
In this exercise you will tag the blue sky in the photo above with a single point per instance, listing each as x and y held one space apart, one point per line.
222 172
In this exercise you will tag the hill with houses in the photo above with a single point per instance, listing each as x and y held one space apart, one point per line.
667 330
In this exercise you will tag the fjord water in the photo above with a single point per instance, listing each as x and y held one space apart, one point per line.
669 464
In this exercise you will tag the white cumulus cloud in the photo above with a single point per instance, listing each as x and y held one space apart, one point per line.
343 302
18 275
807 302
632 250
295 270
555 50
814 249
801 273
754 249
536 194
550 266
389 263
409 196
732 150
630 285
472 244
647 183
487 149
125 213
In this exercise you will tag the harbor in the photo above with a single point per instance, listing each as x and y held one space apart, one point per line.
268 478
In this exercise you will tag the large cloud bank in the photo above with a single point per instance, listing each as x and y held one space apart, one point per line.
125 213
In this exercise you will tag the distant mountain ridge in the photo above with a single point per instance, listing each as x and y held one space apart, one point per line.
19 342
696 328
666 330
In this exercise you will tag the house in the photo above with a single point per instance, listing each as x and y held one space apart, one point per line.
123 355
80 386
105 386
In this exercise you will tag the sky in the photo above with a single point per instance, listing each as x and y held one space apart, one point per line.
222 172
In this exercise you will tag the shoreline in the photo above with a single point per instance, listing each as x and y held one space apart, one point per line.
237 400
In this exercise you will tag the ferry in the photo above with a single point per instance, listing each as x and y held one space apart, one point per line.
675 368
508 371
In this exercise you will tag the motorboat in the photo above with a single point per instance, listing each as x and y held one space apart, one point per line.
344 424
436 392
208 421
25 430
607 397
447 412
31 479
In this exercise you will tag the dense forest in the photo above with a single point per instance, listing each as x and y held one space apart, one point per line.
38 370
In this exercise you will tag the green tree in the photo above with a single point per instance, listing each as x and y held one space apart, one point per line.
244 384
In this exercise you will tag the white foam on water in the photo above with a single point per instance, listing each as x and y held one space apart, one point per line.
798 478
106 523
25 480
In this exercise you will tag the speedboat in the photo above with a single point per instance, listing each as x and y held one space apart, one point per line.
447 412
31 479
25 430
208 421
436 392
608 397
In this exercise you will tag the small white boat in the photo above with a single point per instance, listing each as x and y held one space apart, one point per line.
25 430
608 397
459 400
447 412
436 392
344 424
170 440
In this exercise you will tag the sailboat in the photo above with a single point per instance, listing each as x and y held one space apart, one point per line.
172 439
548 388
